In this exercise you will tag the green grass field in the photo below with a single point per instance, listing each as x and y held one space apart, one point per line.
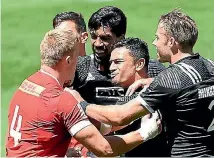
24 23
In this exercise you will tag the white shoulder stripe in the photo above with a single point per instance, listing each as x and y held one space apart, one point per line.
212 62
193 71
68 90
186 72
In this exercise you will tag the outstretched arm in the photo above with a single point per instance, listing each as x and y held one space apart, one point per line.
114 114
117 114
116 145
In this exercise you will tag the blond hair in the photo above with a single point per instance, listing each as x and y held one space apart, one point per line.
56 44
180 26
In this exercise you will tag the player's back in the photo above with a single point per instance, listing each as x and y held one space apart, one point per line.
188 116
195 120
35 122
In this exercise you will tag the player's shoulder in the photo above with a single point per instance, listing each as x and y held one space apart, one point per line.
168 78
67 100
167 72
82 60
82 69
155 63
209 65
41 85
43 79
155 67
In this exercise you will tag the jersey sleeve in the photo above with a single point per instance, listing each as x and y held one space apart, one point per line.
161 92
73 116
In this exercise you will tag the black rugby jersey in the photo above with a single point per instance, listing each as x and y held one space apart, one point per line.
95 86
156 147
184 94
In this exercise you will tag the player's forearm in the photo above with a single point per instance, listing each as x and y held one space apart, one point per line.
124 143
117 128
116 145
107 114
117 115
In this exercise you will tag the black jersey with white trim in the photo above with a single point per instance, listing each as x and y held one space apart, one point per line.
95 86
156 147
175 92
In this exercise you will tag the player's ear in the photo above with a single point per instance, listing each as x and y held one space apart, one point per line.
84 37
171 41
68 59
140 64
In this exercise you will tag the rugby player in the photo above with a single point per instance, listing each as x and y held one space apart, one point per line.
43 116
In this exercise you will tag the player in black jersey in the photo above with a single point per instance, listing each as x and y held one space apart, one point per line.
129 62
92 78
107 26
75 22
183 93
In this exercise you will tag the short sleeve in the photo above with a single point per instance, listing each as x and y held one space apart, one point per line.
160 94
73 116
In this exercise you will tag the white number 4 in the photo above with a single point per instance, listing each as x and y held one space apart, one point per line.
16 134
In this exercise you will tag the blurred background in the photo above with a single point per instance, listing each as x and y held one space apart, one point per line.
24 23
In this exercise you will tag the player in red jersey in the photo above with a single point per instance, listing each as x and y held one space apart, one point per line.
43 116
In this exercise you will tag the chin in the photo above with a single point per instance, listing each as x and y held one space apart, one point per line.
160 60
115 83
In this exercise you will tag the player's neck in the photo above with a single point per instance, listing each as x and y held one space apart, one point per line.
53 73
141 74
180 55
82 51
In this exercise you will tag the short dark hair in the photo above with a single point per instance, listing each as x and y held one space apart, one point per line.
111 17
77 18
137 48
180 26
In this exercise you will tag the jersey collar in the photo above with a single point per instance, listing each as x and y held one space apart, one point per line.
195 56
50 75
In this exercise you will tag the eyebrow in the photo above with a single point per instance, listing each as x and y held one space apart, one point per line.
105 35
118 59
102 35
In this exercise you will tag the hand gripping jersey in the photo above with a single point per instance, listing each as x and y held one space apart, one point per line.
184 94
42 118
156 147
95 86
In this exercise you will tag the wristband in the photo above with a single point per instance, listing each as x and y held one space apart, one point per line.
84 104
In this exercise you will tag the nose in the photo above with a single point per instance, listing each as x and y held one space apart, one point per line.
154 42
98 42
112 67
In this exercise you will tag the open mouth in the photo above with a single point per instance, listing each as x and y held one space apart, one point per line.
100 53
113 75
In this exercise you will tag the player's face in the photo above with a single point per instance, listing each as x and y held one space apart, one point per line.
68 25
102 41
161 43
122 67
82 36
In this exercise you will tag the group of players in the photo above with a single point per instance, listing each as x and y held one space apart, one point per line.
73 100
